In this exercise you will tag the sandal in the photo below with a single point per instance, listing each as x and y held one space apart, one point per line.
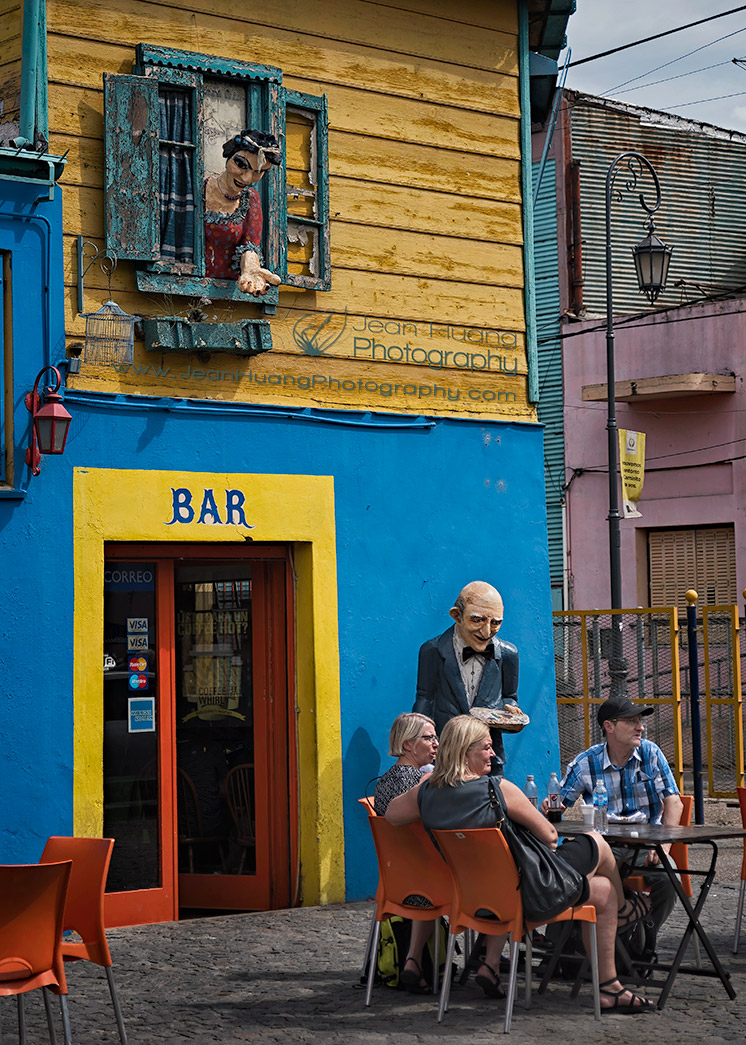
411 979
636 1004
492 988
636 907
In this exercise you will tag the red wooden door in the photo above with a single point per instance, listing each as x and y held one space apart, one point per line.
204 808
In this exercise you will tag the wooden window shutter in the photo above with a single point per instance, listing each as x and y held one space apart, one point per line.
701 559
131 167
716 566
304 251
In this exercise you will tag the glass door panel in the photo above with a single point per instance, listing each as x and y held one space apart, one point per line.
214 721
131 803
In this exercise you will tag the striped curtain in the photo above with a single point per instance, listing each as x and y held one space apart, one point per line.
176 176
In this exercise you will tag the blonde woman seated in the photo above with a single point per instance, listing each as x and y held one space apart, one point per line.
457 796
413 742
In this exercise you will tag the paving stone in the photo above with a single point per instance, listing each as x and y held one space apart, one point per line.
293 976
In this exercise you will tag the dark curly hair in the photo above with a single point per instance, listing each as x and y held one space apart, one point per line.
254 141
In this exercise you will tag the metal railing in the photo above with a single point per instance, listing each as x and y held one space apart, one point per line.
658 675
582 648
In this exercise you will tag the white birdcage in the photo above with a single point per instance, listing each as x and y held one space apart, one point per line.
109 335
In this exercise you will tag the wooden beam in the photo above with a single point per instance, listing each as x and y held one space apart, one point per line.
667 387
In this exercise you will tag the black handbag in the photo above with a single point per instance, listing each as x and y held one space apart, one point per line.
548 884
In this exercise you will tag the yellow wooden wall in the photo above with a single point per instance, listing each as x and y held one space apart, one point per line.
424 189
11 22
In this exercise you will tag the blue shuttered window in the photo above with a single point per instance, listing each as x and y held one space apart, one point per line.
163 131
131 175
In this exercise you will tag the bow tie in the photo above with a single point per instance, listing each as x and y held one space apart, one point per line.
489 652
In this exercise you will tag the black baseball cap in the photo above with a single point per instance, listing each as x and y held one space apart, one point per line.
620 707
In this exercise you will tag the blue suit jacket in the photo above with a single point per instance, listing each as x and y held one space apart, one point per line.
440 689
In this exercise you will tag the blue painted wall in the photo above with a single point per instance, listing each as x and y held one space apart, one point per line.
419 513
35 545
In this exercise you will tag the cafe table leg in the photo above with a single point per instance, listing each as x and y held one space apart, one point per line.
694 924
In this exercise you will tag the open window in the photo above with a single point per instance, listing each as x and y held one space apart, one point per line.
163 133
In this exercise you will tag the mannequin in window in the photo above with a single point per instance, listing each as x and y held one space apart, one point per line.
233 212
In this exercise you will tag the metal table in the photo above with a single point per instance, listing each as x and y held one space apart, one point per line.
641 837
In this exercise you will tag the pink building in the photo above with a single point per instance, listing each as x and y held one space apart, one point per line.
679 378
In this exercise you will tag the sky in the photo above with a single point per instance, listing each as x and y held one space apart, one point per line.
702 78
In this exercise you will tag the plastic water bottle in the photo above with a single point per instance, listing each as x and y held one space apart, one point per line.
531 791
554 797
601 806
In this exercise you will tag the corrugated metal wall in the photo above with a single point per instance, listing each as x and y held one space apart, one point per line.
702 214
550 414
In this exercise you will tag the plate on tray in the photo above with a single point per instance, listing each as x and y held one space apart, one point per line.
508 721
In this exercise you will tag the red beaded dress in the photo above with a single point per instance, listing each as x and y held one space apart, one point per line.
228 236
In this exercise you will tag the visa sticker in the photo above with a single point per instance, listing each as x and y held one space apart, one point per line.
136 642
137 624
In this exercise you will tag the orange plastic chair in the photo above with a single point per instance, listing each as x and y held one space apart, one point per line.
486 878
739 910
679 855
32 901
368 803
84 907
408 864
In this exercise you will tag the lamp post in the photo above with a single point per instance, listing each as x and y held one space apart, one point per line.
51 421
651 257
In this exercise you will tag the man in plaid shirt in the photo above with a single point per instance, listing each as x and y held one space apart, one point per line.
638 779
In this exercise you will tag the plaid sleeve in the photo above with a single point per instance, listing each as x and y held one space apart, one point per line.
665 775
573 786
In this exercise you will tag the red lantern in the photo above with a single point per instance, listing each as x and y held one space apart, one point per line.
51 421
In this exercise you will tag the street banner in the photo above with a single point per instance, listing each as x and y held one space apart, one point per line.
632 468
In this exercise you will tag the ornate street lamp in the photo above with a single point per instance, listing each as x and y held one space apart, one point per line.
651 257
51 421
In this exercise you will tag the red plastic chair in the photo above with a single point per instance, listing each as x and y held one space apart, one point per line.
408 864
485 878
739 910
32 901
84 908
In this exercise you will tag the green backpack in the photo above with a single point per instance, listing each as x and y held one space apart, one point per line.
393 945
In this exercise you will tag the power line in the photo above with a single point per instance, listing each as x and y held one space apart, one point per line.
657 36
701 101
679 76
639 316
673 61
601 470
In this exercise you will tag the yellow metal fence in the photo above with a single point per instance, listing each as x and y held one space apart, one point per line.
655 650
723 700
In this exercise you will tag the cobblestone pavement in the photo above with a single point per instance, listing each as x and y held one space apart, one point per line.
293 976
